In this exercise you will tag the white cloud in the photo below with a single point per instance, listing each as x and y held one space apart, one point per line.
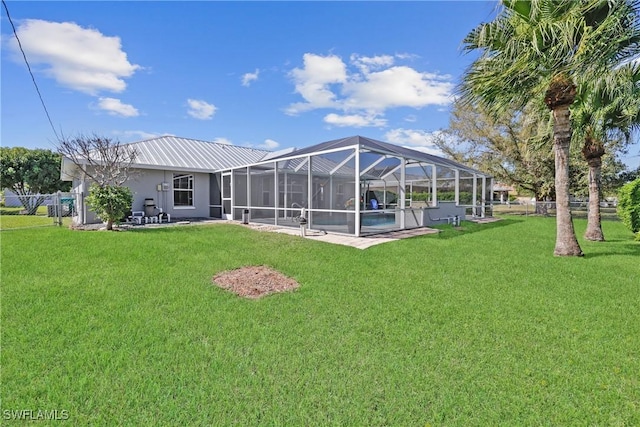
407 56
415 139
250 77
222 141
78 58
398 86
366 63
354 120
428 150
269 144
201 110
366 88
314 80
115 107
411 118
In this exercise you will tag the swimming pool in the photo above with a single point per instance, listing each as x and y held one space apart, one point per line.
368 219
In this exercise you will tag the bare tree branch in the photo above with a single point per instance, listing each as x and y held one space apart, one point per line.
102 160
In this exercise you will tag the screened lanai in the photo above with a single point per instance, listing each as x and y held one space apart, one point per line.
354 185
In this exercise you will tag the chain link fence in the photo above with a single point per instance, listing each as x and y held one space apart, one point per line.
578 209
35 210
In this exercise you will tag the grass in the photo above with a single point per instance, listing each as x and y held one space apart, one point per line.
606 213
479 326
11 218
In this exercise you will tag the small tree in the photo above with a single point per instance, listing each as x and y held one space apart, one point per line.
30 174
110 202
629 205
103 161
107 164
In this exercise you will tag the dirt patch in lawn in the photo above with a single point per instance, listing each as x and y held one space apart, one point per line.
254 281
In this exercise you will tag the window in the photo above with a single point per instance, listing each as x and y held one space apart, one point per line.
182 190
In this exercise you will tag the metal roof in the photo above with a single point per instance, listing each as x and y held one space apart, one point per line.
196 155
192 154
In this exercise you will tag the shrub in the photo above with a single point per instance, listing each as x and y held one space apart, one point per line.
629 205
444 196
110 202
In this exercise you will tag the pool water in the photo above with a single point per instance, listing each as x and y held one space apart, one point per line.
367 219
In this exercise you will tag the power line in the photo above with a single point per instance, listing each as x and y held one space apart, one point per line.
15 33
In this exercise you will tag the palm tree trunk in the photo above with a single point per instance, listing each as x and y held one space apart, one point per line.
566 242
594 226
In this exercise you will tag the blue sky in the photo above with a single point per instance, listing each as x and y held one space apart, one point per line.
263 74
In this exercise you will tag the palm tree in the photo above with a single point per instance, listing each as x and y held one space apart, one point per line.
606 113
542 51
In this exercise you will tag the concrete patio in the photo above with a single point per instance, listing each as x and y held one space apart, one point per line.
321 236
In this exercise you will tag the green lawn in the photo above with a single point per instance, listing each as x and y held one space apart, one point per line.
476 327
11 218
577 211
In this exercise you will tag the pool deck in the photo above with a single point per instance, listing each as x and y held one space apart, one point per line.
321 236
358 242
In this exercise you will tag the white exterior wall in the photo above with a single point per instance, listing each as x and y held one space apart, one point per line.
442 213
145 186
83 214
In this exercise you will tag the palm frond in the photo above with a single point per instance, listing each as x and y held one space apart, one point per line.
531 42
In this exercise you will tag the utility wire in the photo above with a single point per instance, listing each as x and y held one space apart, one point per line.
15 33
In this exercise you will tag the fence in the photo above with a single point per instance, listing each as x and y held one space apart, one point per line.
35 210
578 209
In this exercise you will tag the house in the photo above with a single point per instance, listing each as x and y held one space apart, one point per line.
501 192
175 173
353 185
